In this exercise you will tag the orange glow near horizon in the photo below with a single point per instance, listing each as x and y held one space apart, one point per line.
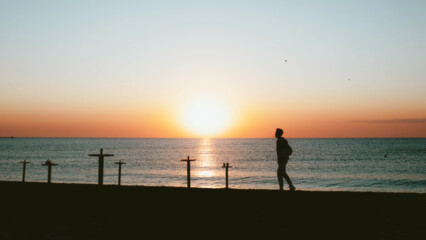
161 123
208 115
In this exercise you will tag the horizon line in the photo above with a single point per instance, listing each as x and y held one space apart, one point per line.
13 137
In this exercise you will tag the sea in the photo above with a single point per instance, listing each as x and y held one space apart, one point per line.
367 164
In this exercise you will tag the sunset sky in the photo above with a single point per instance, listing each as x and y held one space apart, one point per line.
212 68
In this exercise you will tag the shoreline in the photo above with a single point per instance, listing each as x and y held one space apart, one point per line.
89 211
82 184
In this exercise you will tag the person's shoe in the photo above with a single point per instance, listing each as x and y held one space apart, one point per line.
292 188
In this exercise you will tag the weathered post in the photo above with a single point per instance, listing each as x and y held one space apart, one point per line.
101 156
119 171
49 165
24 163
226 166
188 170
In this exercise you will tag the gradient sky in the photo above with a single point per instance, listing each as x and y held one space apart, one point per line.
131 68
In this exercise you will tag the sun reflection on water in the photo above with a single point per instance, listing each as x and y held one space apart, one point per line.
206 161
205 173
205 151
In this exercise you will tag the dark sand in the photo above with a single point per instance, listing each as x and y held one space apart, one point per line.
82 211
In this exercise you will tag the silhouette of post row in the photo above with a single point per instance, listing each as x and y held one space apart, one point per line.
226 166
101 156
49 165
119 171
24 163
188 170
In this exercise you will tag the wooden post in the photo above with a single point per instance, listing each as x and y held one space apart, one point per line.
24 169
188 170
49 165
119 171
226 166
101 156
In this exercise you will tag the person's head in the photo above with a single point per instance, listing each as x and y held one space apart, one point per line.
279 132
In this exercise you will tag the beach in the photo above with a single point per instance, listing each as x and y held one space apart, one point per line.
87 211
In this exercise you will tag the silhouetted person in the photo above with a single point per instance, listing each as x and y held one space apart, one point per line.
283 153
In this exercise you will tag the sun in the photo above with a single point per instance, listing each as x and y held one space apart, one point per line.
206 117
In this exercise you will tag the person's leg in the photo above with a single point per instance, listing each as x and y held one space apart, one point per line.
280 177
287 179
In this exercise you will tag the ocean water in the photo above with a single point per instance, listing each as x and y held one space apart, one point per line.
385 165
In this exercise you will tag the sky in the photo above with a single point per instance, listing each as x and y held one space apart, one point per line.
317 69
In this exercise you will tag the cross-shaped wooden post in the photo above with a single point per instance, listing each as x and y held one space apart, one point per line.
188 170
49 165
101 156
24 163
119 171
226 166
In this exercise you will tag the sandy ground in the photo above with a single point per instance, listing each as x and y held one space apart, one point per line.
83 211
